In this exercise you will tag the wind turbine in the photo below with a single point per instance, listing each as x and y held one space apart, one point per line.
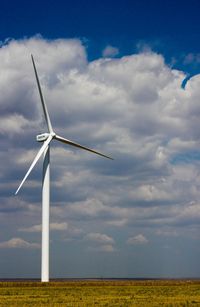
46 138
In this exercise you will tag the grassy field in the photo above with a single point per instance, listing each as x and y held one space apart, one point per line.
101 293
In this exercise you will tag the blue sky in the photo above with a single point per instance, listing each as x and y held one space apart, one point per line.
171 27
112 74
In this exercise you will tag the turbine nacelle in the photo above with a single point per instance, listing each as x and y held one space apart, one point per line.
42 137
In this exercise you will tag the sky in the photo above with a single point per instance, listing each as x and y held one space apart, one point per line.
122 78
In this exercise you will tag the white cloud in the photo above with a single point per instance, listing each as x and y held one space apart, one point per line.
89 207
138 239
52 226
132 108
118 223
102 242
18 243
99 238
110 51
14 123
35 228
59 226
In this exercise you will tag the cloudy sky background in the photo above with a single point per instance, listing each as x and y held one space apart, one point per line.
136 216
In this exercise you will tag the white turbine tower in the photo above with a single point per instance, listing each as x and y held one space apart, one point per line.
46 138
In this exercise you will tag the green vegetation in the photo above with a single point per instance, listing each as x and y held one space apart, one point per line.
101 293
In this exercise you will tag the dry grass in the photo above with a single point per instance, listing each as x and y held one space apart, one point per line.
101 293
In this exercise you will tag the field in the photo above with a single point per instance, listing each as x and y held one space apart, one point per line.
101 293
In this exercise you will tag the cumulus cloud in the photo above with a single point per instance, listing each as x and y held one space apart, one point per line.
101 242
133 108
110 51
35 228
99 238
90 207
18 243
12 124
138 239
52 226
59 226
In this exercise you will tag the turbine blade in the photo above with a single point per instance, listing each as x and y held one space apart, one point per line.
66 141
40 152
46 114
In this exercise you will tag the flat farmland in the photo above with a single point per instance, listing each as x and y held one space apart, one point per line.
74 293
